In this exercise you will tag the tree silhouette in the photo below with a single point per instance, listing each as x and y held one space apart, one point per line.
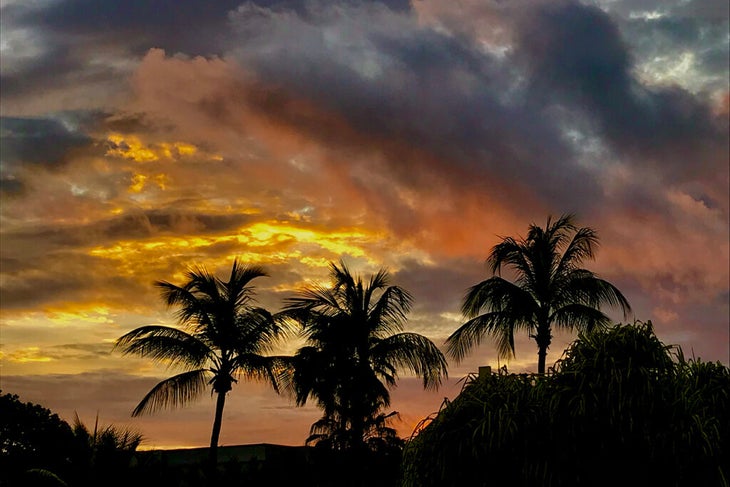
619 408
33 442
103 455
223 338
354 349
550 289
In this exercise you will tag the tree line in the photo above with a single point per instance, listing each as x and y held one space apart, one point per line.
355 343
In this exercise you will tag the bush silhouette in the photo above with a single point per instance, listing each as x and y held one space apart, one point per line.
33 442
620 408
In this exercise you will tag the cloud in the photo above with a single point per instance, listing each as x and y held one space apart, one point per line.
436 106
411 135
576 53
47 142
55 42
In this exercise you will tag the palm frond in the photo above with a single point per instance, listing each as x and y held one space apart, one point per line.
593 291
579 316
412 352
556 233
580 248
174 391
315 298
257 331
389 313
191 310
342 277
500 324
511 253
165 344
270 369
378 281
325 429
496 294
238 289
202 283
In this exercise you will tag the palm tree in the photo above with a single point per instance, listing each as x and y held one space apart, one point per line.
222 337
550 289
104 455
354 349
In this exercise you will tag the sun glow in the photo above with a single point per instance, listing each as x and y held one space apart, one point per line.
25 355
259 243
129 147
133 148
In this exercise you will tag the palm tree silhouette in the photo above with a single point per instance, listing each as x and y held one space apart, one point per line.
223 338
550 289
103 455
354 349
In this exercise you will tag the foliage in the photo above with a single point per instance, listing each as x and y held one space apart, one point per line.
620 408
550 290
355 347
222 338
104 455
38 448
277 465
33 441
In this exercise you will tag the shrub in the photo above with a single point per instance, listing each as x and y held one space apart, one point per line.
620 408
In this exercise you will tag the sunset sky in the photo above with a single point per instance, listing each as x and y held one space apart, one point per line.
142 137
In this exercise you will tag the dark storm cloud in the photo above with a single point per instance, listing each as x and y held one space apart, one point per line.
167 24
160 222
575 55
57 67
391 79
11 186
49 280
139 225
62 31
128 123
61 35
43 141
193 27
400 86
439 288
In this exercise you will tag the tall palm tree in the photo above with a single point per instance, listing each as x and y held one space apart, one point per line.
355 346
550 289
222 336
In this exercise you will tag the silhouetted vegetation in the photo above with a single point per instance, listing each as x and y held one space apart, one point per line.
620 408
40 449
103 456
269 465
550 290
225 338
34 442
355 347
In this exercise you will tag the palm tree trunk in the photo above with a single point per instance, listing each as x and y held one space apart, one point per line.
543 339
541 354
213 452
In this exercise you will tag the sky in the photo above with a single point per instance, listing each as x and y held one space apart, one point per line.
142 137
